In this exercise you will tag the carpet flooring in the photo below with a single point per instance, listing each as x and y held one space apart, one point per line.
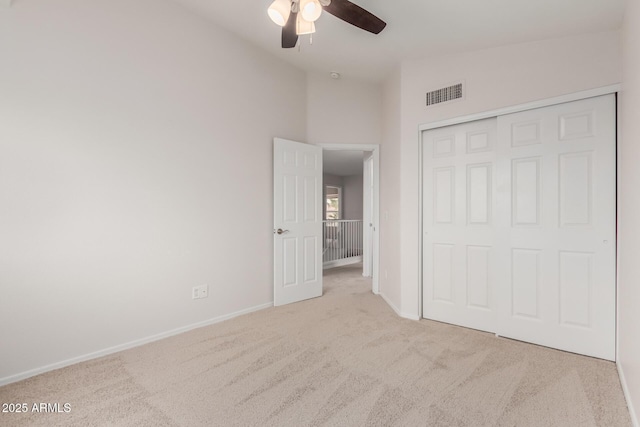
344 359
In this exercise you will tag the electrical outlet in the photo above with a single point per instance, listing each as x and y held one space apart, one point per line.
200 292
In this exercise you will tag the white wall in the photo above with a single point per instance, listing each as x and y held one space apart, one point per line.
390 277
495 78
352 204
118 123
344 111
629 211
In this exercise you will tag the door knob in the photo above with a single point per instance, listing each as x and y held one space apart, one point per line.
281 231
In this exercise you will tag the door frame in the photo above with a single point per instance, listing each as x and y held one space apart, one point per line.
367 204
576 96
375 149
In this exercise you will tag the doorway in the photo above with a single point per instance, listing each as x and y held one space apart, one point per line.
350 207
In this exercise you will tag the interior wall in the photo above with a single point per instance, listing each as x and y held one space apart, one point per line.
128 131
343 111
629 211
390 273
495 78
352 203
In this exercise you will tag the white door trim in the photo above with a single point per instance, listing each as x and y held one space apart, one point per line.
367 203
576 96
375 148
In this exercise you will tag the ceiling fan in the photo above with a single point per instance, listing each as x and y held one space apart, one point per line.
297 17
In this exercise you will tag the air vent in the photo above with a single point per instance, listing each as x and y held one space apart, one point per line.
445 94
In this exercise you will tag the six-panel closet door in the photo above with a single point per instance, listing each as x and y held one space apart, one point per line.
519 222
459 261
558 289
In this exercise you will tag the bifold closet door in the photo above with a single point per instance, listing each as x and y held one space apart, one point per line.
458 222
557 281
519 226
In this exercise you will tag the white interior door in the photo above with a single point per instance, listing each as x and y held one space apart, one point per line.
558 283
459 238
520 229
297 223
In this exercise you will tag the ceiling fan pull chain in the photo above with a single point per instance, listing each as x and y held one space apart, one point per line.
311 39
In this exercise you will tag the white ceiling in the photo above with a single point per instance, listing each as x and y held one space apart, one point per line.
342 163
415 29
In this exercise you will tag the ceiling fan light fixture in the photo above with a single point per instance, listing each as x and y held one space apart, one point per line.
304 27
299 17
279 11
310 10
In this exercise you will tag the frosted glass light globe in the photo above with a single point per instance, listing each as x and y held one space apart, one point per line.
279 11
310 10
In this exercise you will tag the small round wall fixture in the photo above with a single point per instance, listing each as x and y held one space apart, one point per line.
334 75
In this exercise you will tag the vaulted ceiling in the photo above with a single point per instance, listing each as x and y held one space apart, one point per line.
415 29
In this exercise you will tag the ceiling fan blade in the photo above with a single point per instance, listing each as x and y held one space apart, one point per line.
355 15
289 34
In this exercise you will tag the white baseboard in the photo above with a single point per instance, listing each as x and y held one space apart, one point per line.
397 310
388 301
129 345
625 390
410 316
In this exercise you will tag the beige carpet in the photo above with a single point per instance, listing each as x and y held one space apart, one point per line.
343 360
